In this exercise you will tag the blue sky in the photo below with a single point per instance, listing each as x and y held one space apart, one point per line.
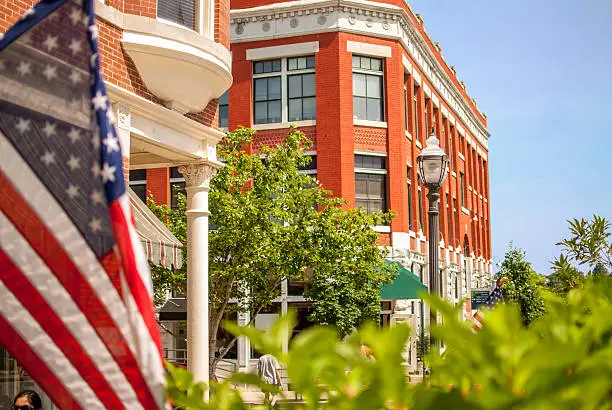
542 72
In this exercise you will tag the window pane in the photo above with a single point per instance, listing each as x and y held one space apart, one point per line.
138 174
356 62
267 66
301 63
258 67
175 189
274 88
276 65
292 64
359 108
308 84
375 205
174 173
376 186
223 116
261 112
374 86
374 109
261 89
310 62
141 191
361 186
359 85
376 64
309 108
361 204
294 86
274 111
365 63
295 109
223 100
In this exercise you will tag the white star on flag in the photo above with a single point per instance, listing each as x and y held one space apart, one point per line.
24 68
95 225
96 197
112 143
75 46
23 125
108 173
74 162
49 129
110 116
99 101
92 60
72 191
75 15
74 135
50 72
50 43
95 169
75 77
94 31
48 158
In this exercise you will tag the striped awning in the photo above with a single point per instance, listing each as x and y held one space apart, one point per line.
161 246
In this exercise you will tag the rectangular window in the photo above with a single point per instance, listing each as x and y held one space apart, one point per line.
415 113
462 189
181 12
406 128
367 88
224 110
138 183
410 215
301 97
177 186
449 216
456 219
284 90
370 183
427 122
420 203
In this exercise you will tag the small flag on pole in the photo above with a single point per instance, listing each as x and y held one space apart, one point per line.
76 308
494 297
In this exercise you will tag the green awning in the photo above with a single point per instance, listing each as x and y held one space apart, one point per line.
406 286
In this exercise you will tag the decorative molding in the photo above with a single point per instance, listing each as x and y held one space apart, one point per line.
284 125
361 17
368 123
286 50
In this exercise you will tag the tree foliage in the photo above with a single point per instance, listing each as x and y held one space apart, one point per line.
587 252
523 286
562 361
272 223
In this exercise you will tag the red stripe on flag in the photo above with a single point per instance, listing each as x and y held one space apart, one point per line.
27 222
130 269
29 360
55 328
111 265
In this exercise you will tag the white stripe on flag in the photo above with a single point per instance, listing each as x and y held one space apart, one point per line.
79 252
139 255
29 329
39 275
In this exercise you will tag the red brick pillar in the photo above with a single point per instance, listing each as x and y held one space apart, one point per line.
396 141
241 91
335 130
158 185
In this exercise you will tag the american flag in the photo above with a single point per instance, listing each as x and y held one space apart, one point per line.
494 297
76 308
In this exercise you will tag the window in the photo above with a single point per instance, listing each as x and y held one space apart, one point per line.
370 183
410 216
284 90
138 183
224 110
456 215
462 188
449 218
415 112
177 186
310 169
427 129
406 128
178 11
367 88
420 201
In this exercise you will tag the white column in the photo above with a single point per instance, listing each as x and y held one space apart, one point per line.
197 180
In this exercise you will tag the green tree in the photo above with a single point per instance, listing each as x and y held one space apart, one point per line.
587 252
272 223
523 286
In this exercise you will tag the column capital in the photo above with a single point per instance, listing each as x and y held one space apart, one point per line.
198 174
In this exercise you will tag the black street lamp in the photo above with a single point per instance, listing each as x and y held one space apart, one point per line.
433 163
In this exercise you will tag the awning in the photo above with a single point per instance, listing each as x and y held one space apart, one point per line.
406 286
161 246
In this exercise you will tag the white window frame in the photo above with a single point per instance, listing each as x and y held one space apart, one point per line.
284 74
309 171
360 121
377 228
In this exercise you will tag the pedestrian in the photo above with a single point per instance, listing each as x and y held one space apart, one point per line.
27 400
267 369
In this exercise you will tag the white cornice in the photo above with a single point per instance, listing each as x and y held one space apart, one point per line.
370 18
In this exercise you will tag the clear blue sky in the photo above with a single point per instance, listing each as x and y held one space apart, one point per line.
542 72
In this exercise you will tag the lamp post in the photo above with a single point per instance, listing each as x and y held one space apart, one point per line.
432 163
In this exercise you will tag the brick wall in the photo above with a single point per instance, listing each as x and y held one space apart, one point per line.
370 139
158 185
273 137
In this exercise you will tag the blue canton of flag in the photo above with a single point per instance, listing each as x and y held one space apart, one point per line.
76 307
494 297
